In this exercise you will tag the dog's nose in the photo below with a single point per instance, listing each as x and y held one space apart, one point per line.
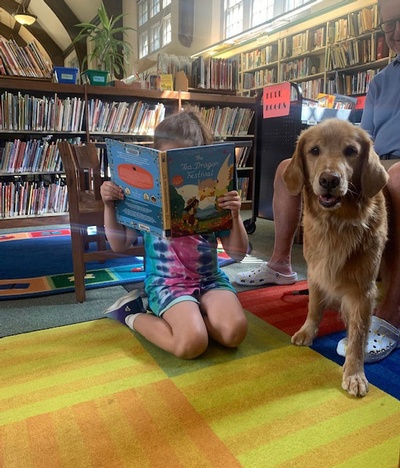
329 180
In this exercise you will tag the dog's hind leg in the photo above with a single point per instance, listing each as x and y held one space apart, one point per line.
357 311
305 336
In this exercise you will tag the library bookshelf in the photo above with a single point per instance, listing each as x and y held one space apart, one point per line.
336 50
35 115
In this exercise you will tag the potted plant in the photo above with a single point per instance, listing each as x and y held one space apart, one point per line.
110 49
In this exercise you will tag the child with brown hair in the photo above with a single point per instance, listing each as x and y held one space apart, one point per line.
190 297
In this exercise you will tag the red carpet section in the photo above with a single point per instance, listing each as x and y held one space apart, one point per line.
285 307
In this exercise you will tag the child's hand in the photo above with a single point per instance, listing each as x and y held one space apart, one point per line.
111 192
231 201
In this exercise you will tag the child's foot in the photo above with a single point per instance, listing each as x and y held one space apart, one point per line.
127 305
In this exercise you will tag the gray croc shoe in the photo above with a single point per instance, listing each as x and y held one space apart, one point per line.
264 275
383 338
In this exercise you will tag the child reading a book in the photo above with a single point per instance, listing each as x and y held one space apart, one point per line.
190 297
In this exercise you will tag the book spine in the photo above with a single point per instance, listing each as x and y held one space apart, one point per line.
166 204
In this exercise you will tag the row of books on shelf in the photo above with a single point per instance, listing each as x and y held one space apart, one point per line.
25 61
122 117
215 73
357 83
242 154
32 198
352 25
312 88
202 72
227 121
243 187
260 78
260 57
24 112
336 101
21 156
354 52
300 68
304 42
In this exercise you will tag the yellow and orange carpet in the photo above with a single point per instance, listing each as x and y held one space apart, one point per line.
94 394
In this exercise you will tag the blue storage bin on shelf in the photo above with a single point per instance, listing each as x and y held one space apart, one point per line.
66 75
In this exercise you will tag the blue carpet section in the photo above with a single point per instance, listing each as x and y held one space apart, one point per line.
47 256
43 265
383 374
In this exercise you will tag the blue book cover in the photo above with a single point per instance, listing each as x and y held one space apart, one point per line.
172 193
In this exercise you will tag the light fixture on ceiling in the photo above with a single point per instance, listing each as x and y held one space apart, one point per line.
22 16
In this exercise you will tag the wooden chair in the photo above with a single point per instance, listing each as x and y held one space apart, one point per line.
83 173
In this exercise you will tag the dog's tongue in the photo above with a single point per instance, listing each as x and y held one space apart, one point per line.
328 201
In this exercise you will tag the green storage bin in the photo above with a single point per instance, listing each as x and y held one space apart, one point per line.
96 77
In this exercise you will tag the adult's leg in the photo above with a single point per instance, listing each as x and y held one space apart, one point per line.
389 308
287 214
224 317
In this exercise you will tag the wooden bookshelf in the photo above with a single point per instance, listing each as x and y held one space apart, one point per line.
23 130
335 51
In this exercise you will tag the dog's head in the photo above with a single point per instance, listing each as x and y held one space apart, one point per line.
334 159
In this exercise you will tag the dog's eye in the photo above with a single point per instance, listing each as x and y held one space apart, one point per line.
314 151
350 151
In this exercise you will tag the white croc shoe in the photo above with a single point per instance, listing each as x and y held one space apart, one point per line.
264 275
383 338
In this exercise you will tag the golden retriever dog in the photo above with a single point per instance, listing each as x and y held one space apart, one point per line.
345 228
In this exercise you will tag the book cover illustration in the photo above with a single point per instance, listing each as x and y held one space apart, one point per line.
172 193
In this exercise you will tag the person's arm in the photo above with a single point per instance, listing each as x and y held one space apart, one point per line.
236 244
367 119
119 237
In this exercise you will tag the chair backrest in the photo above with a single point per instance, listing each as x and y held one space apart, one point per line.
81 164
88 167
83 172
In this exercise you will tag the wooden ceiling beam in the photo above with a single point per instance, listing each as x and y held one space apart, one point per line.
67 17
51 47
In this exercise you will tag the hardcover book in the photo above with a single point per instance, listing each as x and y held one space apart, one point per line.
172 193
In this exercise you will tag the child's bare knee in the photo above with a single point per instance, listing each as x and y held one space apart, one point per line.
234 333
190 348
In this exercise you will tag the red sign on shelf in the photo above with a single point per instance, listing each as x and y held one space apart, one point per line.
276 100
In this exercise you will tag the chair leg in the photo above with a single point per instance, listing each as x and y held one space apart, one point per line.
79 264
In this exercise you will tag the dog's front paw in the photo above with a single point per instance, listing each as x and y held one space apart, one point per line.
356 384
304 337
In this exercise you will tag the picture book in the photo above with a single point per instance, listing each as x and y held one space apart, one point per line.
172 193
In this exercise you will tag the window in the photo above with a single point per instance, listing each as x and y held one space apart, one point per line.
155 37
143 14
240 15
154 7
143 44
166 30
233 17
292 4
154 25
262 11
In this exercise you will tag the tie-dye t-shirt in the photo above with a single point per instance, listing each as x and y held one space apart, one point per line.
183 266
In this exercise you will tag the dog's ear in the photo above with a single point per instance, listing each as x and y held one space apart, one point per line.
373 176
293 176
